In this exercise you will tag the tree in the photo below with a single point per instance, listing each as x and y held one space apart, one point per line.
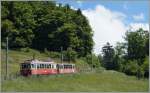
145 67
41 25
137 53
71 54
108 56
93 60
136 42
120 52
18 16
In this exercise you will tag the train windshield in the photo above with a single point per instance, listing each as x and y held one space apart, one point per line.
25 66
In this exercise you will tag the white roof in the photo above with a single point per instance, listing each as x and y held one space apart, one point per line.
38 61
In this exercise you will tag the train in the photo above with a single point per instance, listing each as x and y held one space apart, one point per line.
37 67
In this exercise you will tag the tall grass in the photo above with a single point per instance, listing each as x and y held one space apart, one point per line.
105 81
97 80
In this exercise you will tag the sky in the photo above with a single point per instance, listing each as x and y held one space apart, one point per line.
110 19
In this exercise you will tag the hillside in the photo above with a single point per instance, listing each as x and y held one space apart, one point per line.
102 80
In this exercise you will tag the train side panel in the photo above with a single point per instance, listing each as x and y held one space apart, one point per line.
43 71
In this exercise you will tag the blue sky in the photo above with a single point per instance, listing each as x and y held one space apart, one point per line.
110 19
129 7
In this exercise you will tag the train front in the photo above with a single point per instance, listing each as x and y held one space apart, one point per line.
25 69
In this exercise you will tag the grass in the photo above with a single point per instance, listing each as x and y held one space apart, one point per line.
84 82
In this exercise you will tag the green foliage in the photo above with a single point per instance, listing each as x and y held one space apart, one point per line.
27 49
117 63
131 67
136 42
137 53
54 54
119 59
93 60
108 57
145 67
69 55
18 23
43 25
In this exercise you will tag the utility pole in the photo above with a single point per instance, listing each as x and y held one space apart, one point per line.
70 49
61 55
92 60
6 57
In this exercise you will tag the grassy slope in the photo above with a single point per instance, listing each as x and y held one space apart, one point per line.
104 81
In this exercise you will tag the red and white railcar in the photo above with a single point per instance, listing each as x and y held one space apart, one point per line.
36 67
66 68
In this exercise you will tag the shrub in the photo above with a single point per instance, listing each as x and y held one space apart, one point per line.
93 61
70 55
27 49
131 67
145 67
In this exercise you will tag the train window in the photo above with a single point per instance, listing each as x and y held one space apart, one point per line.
32 65
64 66
26 66
49 65
57 66
23 66
38 66
41 65
70 66
52 66
46 65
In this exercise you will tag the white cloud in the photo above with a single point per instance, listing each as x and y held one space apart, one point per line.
138 17
107 25
136 26
73 8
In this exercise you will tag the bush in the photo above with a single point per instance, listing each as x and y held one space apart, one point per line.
70 55
131 67
145 67
93 61
27 49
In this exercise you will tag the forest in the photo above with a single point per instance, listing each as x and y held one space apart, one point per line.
47 26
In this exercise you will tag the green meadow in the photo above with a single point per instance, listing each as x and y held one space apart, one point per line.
89 81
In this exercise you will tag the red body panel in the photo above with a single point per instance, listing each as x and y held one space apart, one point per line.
27 72
43 71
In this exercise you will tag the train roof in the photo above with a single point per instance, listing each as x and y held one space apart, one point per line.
33 61
38 61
